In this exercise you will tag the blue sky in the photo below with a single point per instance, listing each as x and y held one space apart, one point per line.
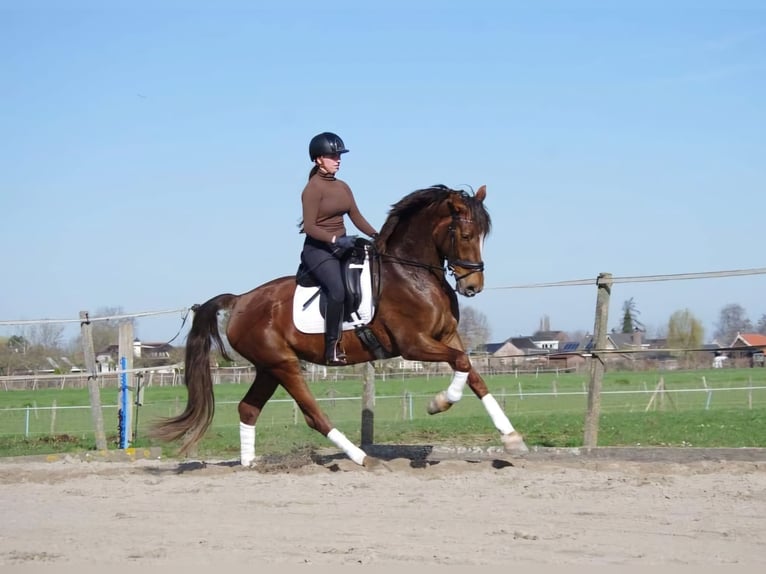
153 153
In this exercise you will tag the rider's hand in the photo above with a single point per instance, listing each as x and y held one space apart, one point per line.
346 242
342 245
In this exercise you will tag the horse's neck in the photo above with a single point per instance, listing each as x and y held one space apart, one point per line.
416 245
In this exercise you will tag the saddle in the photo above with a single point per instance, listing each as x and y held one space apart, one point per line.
309 302
352 265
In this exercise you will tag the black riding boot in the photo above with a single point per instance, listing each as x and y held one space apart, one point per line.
333 330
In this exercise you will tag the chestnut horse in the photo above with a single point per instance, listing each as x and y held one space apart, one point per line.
416 317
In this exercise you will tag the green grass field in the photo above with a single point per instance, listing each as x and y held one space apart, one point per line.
713 408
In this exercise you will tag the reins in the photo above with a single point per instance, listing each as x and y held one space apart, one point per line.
471 266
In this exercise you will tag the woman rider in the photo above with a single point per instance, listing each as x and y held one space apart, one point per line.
326 199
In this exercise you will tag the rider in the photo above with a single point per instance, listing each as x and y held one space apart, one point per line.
325 201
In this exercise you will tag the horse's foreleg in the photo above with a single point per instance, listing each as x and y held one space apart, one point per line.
445 399
513 442
296 386
250 408
451 352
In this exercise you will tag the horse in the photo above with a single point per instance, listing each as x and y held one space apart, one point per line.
429 234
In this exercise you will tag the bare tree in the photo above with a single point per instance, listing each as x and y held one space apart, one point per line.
732 320
49 336
473 328
105 332
578 335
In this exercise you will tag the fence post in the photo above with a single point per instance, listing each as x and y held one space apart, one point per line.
604 283
368 404
93 390
53 418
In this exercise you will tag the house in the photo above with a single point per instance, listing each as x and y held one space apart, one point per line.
548 340
630 349
568 357
502 355
750 340
157 352
514 352
753 348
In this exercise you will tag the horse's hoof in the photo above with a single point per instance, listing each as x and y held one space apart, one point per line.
513 443
372 463
439 404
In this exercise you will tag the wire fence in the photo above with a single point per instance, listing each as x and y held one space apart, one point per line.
34 421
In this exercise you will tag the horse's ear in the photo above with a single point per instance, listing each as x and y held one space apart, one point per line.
481 193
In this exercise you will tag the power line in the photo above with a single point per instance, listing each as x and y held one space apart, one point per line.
92 319
642 278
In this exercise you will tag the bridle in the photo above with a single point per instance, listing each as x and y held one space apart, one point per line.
470 266
452 262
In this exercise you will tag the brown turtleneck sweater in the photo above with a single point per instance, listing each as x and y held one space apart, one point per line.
325 201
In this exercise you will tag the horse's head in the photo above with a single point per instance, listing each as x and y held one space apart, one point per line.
460 238
436 225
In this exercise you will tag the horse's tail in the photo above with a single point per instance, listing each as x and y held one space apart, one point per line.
200 405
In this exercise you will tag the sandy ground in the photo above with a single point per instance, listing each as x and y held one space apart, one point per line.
402 512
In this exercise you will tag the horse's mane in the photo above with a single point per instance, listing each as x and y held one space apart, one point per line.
422 199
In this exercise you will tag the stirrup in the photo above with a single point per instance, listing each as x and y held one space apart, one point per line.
336 358
336 361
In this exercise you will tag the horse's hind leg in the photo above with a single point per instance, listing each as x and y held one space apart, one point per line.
296 386
250 408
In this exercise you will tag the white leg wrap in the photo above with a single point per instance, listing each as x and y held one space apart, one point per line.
354 452
455 389
497 415
246 444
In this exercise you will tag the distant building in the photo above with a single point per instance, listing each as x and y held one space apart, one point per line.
159 352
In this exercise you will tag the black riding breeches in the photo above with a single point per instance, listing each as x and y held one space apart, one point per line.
323 265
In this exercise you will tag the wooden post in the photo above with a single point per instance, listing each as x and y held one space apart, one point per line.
53 418
93 389
368 404
604 283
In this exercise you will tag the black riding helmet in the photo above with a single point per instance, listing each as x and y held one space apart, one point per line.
326 143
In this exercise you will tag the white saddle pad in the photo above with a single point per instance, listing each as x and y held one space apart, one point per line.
310 320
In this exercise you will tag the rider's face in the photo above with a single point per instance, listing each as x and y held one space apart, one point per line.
329 163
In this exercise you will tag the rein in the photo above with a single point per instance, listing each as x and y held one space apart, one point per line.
472 267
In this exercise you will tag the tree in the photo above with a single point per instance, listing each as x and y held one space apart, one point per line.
17 344
761 325
473 328
630 314
105 332
685 331
47 335
732 320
